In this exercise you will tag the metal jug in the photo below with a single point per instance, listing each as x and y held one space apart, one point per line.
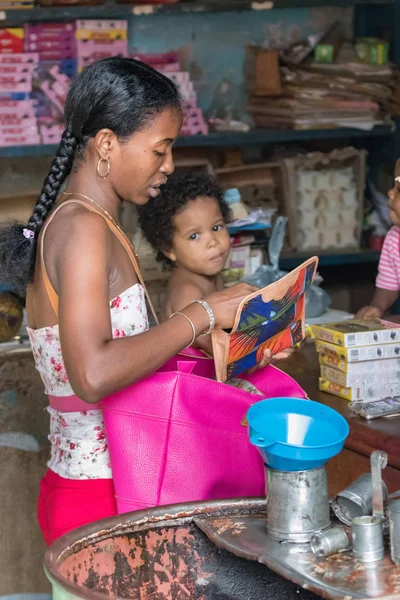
297 504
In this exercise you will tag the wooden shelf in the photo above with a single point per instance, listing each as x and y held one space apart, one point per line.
124 11
330 258
215 140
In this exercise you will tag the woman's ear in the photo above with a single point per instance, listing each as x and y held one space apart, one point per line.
104 141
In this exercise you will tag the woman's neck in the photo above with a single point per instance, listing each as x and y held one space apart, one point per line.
83 183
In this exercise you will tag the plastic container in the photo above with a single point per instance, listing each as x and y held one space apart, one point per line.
296 435
233 199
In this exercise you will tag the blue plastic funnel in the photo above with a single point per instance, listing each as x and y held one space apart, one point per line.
295 435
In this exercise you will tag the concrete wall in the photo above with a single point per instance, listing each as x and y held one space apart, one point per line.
212 45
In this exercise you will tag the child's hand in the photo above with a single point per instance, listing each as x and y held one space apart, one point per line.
369 313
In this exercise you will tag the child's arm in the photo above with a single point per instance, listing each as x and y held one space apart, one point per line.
381 302
388 280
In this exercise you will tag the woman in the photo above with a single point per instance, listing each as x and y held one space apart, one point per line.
86 309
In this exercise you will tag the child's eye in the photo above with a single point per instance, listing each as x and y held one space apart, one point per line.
194 236
218 227
160 154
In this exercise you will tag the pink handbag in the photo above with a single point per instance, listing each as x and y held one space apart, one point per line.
179 436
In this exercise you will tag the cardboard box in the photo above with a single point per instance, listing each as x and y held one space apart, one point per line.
324 197
261 72
362 391
359 368
350 380
372 51
351 333
101 24
324 53
361 353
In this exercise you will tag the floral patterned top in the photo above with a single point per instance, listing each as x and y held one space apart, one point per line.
78 441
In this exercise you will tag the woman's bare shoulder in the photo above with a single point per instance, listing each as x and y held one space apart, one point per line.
77 224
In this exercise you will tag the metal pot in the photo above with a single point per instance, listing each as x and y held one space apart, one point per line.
160 553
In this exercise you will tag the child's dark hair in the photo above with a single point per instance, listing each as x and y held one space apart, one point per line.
116 93
156 218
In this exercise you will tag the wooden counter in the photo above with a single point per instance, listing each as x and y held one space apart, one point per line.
365 436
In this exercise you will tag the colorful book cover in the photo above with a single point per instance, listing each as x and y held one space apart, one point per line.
352 333
360 353
273 318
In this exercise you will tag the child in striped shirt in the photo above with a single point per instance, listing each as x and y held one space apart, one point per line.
388 279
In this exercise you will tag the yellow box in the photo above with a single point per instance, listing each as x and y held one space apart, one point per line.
351 394
381 367
89 34
360 353
353 332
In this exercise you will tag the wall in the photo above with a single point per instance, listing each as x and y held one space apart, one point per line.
212 45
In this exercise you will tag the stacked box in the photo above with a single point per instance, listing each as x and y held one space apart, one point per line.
52 41
193 122
359 360
97 39
55 44
166 62
11 40
18 122
169 64
50 89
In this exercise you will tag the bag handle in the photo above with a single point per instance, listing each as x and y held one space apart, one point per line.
52 294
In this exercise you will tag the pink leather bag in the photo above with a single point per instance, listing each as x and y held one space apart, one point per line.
179 436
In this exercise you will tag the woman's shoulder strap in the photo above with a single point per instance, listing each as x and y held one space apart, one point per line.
116 231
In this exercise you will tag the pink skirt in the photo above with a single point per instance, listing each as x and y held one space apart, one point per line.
65 504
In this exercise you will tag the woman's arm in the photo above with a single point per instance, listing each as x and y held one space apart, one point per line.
188 292
98 365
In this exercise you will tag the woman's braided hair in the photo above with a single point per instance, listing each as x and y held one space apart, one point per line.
116 93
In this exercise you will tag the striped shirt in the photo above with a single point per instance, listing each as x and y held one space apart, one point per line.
389 264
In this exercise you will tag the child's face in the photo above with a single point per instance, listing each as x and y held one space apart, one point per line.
394 197
201 241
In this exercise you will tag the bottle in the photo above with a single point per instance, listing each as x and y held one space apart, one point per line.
238 209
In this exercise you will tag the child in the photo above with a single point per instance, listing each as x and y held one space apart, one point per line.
388 279
186 225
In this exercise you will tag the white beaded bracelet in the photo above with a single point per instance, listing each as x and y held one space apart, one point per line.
190 323
210 313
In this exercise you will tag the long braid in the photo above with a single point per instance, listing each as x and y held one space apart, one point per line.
59 171
15 247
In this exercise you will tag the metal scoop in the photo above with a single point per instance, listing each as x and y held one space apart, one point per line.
378 463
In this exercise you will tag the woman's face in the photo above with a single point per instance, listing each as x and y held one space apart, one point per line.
138 167
394 197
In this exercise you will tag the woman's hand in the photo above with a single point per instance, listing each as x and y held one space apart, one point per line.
369 312
268 358
225 304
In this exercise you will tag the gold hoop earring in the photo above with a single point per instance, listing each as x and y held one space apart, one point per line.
108 167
